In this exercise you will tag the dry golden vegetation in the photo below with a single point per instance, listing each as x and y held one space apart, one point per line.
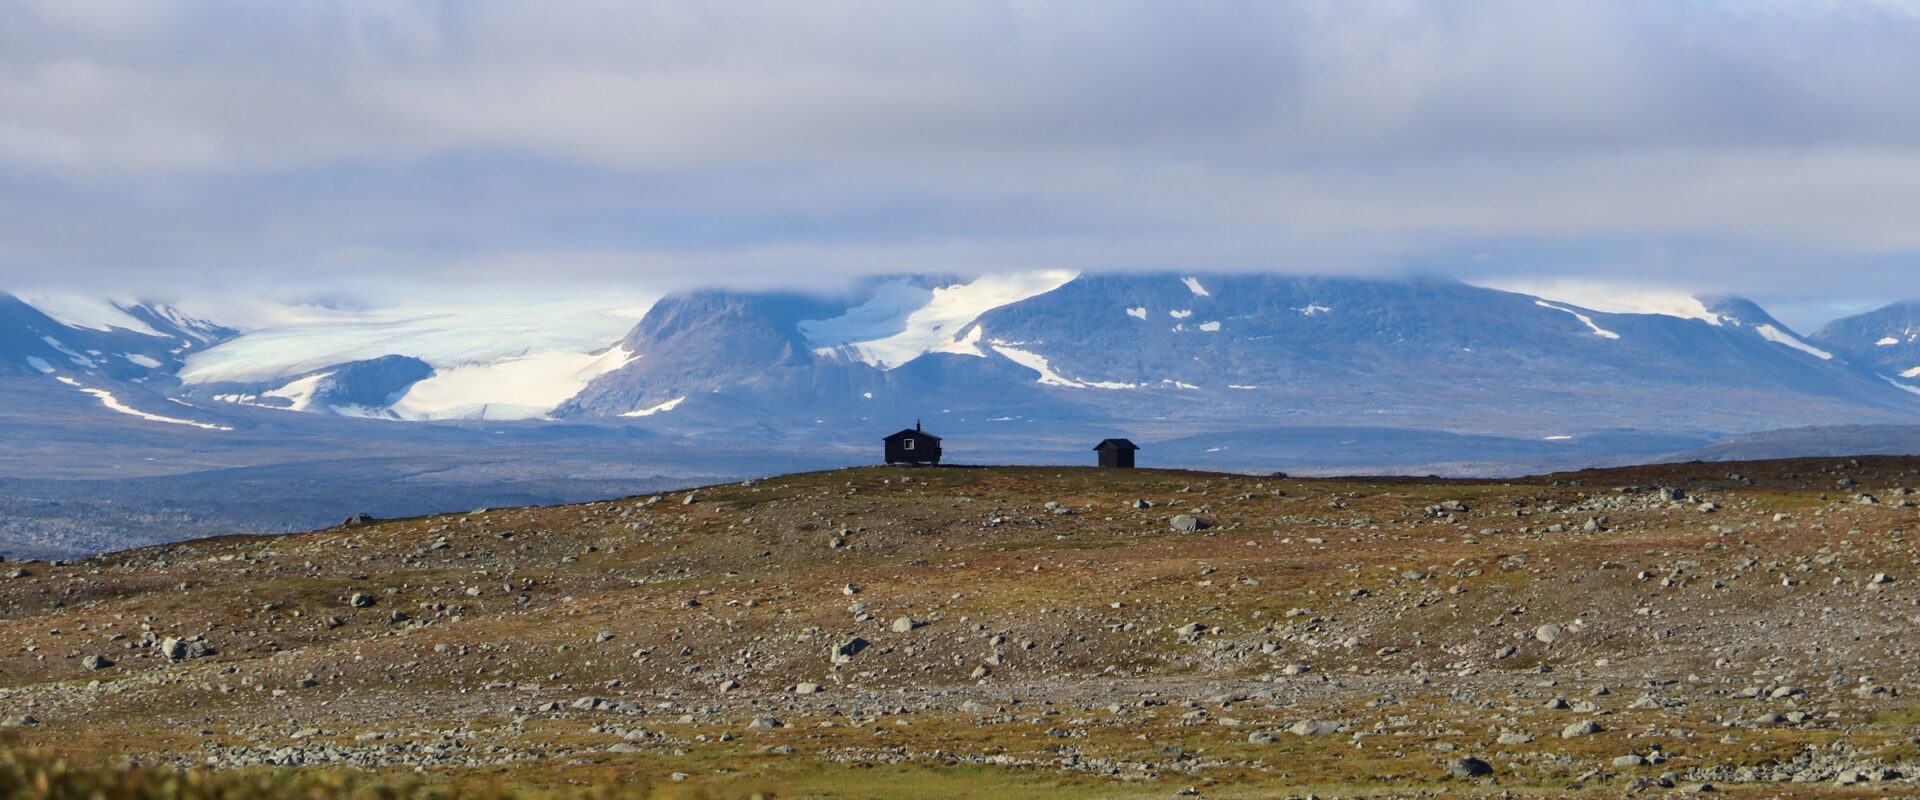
1019 632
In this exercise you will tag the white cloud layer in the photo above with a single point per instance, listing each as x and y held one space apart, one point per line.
1742 145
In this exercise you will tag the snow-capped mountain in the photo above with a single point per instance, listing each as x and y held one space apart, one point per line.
1173 352
483 361
1151 355
118 340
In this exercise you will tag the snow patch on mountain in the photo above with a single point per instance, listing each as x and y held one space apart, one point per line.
76 358
1038 363
666 406
1777 336
1193 285
1137 312
299 394
966 344
1584 319
903 321
306 338
526 387
1611 298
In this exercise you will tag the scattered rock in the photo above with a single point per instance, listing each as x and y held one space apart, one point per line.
1469 767
845 651
1314 727
178 649
1579 729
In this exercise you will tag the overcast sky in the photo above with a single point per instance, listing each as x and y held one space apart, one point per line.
1765 148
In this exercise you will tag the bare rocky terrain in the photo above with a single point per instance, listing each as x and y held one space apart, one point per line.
1739 629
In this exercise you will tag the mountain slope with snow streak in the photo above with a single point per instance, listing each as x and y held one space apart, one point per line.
1887 337
113 340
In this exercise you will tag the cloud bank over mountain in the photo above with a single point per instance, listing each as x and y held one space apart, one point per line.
1770 144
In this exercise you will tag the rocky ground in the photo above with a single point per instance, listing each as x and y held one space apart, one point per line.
1746 630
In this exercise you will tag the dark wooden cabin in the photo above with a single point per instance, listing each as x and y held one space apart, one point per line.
1116 453
913 446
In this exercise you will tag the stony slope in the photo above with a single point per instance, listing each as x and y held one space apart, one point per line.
1030 632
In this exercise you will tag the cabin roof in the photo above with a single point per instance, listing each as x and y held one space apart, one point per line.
912 432
1116 444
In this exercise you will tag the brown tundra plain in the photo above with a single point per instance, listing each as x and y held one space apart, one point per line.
1737 629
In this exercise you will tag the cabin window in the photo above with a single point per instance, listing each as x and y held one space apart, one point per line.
907 444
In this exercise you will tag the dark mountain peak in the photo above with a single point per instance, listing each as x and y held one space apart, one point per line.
1887 338
374 383
1894 318
1734 308
727 313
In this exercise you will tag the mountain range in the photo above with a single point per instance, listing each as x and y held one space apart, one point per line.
1154 354
1245 372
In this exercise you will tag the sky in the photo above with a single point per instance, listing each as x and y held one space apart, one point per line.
1757 147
